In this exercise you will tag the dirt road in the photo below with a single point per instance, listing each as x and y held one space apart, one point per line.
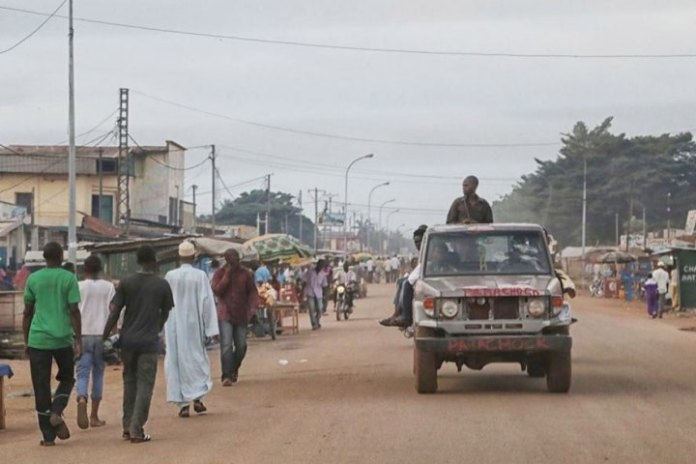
344 394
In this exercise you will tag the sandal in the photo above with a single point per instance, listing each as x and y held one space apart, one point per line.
82 419
125 435
47 443
142 439
184 412
199 407
61 428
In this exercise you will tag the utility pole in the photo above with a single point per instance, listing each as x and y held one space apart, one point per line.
299 201
316 219
268 203
101 186
212 159
124 171
72 210
669 217
193 228
616 218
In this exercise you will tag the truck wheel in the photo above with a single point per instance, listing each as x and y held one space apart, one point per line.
559 372
426 371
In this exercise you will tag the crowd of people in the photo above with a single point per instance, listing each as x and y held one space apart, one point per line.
69 323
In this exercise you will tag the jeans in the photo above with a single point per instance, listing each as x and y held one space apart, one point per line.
233 347
661 298
315 309
407 302
40 362
92 361
139 372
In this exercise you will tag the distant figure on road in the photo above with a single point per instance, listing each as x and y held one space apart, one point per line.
51 318
148 300
662 278
314 281
470 208
191 324
651 296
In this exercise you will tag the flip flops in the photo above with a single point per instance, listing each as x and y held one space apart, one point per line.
184 412
82 419
143 439
199 407
61 428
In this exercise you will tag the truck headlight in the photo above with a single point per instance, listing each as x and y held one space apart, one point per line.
536 308
449 309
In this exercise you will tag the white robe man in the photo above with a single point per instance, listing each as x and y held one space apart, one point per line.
192 323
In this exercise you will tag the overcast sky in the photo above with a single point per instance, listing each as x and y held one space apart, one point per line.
407 97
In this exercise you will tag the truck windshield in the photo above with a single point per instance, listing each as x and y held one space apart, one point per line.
491 252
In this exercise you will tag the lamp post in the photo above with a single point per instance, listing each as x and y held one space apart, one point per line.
345 201
369 204
380 224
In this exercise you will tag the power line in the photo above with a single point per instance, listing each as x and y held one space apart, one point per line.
388 174
43 23
344 137
97 126
354 48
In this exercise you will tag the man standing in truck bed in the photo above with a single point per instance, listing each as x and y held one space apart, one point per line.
470 208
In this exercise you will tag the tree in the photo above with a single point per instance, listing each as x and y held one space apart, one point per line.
623 175
285 217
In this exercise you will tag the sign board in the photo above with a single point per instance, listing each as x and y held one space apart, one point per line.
9 211
332 219
686 260
690 222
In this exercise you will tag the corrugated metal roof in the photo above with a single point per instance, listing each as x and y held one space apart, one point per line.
53 159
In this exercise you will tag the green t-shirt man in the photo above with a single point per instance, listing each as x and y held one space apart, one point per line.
51 291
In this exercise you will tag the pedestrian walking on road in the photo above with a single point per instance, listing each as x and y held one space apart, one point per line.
651 296
662 278
148 301
192 323
52 330
238 299
95 296
314 281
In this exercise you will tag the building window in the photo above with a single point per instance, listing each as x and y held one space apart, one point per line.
104 209
25 199
108 166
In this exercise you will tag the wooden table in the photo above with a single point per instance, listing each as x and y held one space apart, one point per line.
283 309
5 371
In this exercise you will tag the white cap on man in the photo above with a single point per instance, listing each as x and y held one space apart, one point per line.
186 249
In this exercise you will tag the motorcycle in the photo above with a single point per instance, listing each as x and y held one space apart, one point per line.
263 323
344 301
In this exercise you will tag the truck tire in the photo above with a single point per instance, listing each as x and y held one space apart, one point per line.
425 369
559 373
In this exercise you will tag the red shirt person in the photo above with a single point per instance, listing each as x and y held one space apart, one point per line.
238 299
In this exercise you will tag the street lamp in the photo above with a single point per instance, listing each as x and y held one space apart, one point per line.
345 201
369 204
380 223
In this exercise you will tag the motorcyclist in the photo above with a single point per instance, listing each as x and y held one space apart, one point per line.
348 279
